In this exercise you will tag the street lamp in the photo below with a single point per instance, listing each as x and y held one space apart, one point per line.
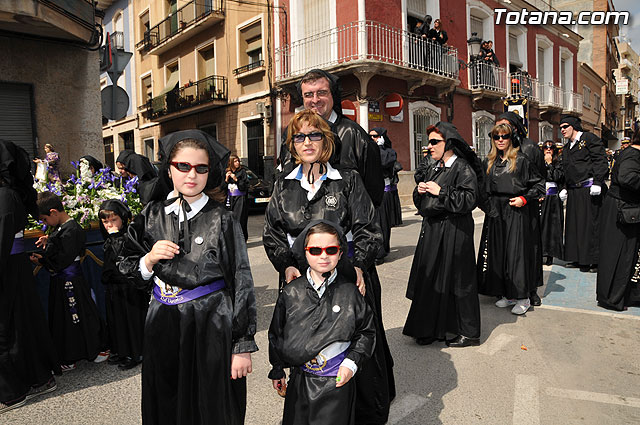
474 43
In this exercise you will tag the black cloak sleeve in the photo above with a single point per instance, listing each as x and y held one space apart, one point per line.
242 179
274 235
555 173
63 246
458 192
598 157
628 176
533 181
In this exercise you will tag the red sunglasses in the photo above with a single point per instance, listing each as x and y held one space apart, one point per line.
316 250
185 167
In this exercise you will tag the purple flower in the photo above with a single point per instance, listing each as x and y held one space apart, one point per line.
75 164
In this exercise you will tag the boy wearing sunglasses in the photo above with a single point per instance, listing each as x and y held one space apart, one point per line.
323 329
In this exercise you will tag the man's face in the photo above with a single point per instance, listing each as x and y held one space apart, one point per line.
566 130
316 95
624 145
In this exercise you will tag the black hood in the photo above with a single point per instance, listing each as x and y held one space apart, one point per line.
118 207
344 265
517 124
382 132
574 122
334 86
15 170
137 164
455 142
93 162
122 157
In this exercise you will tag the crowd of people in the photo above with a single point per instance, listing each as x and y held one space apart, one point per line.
180 292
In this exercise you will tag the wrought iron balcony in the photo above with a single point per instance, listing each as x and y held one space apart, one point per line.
571 102
487 79
521 84
394 51
192 18
249 67
550 96
210 89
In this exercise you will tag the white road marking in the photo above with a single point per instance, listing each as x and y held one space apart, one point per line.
402 407
596 397
597 313
495 344
526 409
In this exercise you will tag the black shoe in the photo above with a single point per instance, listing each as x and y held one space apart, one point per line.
548 261
462 341
572 265
116 359
426 340
379 261
128 364
585 269
593 268
535 299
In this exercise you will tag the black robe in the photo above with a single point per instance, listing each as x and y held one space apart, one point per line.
76 327
27 354
506 258
188 346
389 212
238 204
126 305
587 159
619 270
442 284
302 325
552 213
345 202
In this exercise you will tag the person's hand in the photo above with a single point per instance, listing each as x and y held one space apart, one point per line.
42 241
422 188
161 250
433 188
595 190
516 202
344 375
541 199
563 195
240 365
291 273
279 383
34 258
360 281
548 158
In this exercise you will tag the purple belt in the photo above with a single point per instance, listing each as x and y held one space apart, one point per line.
325 367
390 188
184 295
71 271
236 192
586 183
18 246
352 249
552 191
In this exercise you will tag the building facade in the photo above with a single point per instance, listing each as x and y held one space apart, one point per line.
592 111
205 64
628 73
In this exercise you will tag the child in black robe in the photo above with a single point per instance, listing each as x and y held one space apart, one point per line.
126 304
323 329
76 327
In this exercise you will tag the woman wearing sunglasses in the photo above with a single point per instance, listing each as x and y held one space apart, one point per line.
552 211
187 248
506 258
236 182
316 190
442 284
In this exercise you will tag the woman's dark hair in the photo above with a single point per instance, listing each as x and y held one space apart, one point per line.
48 201
232 158
322 228
216 193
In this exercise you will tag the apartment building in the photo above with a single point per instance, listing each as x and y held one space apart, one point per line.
206 64
628 74
592 110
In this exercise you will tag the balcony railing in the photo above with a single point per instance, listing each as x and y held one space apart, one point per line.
571 102
485 76
364 41
117 40
521 84
179 21
249 67
192 94
550 95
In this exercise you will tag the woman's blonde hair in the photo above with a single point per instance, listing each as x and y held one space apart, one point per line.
510 154
313 120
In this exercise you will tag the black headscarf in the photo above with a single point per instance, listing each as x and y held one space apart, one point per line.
137 164
455 142
15 170
344 265
120 209
383 132
93 162
517 124
574 122
122 157
334 86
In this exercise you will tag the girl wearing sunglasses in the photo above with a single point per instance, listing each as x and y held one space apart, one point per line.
506 259
552 211
315 190
187 248
323 329
237 184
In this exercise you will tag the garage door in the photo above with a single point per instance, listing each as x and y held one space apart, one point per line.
15 115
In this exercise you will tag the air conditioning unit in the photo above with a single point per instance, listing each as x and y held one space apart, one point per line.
260 108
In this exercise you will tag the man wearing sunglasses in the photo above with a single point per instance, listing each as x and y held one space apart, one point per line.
584 161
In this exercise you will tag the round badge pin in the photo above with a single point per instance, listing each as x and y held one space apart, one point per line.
198 240
336 308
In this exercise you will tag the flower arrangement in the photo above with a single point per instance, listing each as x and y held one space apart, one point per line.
83 193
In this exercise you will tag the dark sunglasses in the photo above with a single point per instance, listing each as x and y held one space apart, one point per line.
435 141
185 167
316 250
316 136
501 136
548 147
564 127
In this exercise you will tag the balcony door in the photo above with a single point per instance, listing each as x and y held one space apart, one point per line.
314 38
422 114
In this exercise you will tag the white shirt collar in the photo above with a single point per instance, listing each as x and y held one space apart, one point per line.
320 288
449 162
333 117
578 136
196 206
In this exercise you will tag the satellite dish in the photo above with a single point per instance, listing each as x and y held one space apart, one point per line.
115 102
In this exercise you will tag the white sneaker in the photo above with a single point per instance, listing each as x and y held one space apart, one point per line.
503 302
521 306
102 356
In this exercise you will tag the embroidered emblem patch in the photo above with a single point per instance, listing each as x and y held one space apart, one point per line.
336 308
331 201
198 240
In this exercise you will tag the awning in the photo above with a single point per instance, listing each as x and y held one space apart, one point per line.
608 134
174 79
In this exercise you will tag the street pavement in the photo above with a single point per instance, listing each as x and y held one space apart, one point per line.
566 362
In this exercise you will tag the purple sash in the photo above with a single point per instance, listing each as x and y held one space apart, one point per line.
71 271
184 295
586 183
18 246
236 192
390 188
552 191
352 249
324 367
